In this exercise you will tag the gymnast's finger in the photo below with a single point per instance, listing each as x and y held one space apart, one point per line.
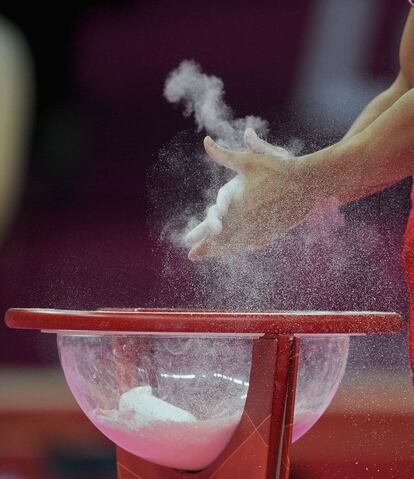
257 145
234 160
197 234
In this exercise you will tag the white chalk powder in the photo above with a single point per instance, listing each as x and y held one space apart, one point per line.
163 433
203 96
150 408
139 408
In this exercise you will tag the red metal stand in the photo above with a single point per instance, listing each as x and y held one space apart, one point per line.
260 446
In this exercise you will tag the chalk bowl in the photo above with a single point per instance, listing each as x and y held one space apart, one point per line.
177 400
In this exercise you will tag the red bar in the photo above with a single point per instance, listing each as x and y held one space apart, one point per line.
222 322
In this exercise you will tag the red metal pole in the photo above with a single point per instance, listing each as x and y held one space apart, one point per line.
278 414
290 410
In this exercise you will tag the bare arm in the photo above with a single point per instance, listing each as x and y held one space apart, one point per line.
379 104
382 153
401 85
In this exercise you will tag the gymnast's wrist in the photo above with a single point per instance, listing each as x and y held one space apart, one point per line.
321 176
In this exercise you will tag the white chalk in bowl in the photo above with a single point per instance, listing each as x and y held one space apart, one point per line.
127 400
148 408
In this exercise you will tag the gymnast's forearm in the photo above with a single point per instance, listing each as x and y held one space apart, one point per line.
379 105
381 154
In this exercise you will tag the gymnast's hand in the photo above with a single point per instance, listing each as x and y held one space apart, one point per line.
271 193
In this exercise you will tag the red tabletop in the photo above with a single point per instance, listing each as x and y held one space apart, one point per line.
207 322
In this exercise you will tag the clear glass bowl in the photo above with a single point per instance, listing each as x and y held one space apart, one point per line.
176 401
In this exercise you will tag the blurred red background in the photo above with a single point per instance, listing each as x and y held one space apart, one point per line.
81 237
